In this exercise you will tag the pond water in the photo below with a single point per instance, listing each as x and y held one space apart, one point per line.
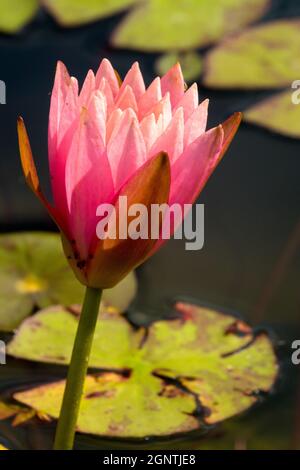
250 263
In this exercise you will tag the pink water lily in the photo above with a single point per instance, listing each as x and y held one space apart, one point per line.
115 138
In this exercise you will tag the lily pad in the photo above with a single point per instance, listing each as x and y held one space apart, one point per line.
265 56
158 25
20 414
277 113
191 64
15 14
34 273
179 375
8 410
77 12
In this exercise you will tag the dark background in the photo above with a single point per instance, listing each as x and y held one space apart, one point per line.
251 260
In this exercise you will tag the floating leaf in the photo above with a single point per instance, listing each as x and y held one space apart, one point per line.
15 14
35 273
123 407
266 56
158 25
278 114
76 12
7 410
183 374
191 64
20 414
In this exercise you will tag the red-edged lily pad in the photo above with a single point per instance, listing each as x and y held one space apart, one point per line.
177 376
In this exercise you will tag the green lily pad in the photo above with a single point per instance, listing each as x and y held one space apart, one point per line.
181 375
77 12
277 113
34 273
266 56
191 64
15 14
158 25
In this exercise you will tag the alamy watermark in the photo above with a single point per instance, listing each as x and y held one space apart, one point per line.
2 353
295 94
2 92
157 222
296 354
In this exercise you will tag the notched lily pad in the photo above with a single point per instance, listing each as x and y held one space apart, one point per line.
158 25
265 56
34 273
182 375
76 12
277 113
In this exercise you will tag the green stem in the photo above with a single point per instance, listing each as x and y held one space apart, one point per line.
65 431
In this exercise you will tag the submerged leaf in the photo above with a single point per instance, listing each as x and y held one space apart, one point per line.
77 12
35 273
15 14
199 369
158 25
277 113
191 64
266 56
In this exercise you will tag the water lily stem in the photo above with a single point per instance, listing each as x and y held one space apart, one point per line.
65 431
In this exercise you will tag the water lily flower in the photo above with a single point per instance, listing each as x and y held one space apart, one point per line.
111 139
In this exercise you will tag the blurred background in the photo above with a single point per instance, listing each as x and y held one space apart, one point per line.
250 263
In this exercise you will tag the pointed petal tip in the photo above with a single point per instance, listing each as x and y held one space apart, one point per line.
20 121
163 162
61 69
135 65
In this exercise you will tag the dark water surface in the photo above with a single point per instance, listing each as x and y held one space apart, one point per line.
251 259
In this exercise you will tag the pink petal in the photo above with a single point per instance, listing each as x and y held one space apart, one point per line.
127 99
190 172
149 99
126 149
163 110
98 111
59 151
105 89
113 123
149 130
189 101
106 71
173 83
171 141
87 89
135 80
58 96
88 183
196 123
189 175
